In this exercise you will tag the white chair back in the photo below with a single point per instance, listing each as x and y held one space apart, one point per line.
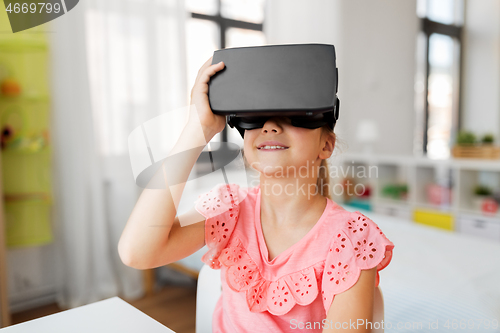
209 291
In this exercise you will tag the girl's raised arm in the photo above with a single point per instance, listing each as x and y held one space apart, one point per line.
153 236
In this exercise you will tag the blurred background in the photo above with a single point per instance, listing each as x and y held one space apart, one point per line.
419 82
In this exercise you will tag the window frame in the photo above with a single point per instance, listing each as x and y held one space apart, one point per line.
429 27
224 23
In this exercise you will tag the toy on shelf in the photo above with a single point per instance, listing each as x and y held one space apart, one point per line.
438 195
489 206
7 134
18 133
356 194
10 87
395 191
28 144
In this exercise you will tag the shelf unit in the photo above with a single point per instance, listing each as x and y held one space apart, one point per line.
4 300
26 171
454 210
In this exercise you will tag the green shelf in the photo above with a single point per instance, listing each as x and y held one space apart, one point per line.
26 159
8 152
27 172
28 223
23 45
25 98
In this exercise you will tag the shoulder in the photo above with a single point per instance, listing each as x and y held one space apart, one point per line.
356 244
354 225
220 199
221 208
354 234
364 232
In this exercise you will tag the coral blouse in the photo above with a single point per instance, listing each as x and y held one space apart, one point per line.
297 287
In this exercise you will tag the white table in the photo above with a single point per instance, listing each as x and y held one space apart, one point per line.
110 315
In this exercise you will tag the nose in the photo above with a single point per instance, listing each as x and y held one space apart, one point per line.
272 125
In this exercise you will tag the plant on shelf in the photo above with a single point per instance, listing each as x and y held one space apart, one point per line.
481 190
488 139
467 146
395 191
466 138
481 193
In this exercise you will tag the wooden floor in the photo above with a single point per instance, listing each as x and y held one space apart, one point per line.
173 306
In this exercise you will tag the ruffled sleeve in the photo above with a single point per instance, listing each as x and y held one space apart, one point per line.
220 207
360 244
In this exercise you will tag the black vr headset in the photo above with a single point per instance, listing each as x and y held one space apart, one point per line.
299 81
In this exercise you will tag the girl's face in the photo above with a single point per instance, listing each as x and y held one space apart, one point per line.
304 147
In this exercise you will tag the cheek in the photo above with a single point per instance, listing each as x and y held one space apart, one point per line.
307 139
249 138
248 142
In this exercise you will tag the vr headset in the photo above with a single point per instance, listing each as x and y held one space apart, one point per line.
299 81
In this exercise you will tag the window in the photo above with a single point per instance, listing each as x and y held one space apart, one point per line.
438 75
219 24
133 51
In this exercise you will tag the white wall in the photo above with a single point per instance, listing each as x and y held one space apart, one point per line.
481 77
375 44
377 72
301 21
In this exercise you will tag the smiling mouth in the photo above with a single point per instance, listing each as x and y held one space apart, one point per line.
272 148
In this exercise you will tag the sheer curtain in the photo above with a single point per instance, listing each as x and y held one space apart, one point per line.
116 64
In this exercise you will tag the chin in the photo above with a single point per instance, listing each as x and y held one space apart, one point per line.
272 170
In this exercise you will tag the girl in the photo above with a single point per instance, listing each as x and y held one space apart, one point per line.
290 257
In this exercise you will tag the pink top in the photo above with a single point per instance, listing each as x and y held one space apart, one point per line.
299 284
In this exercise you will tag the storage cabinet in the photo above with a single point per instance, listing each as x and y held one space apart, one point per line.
440 193
480 226
26 170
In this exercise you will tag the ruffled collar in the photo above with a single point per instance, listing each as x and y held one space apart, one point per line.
278 297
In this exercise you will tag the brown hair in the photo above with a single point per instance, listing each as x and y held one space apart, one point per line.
323 182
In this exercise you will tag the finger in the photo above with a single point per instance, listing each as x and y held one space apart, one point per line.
210 71
208 62
203 67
